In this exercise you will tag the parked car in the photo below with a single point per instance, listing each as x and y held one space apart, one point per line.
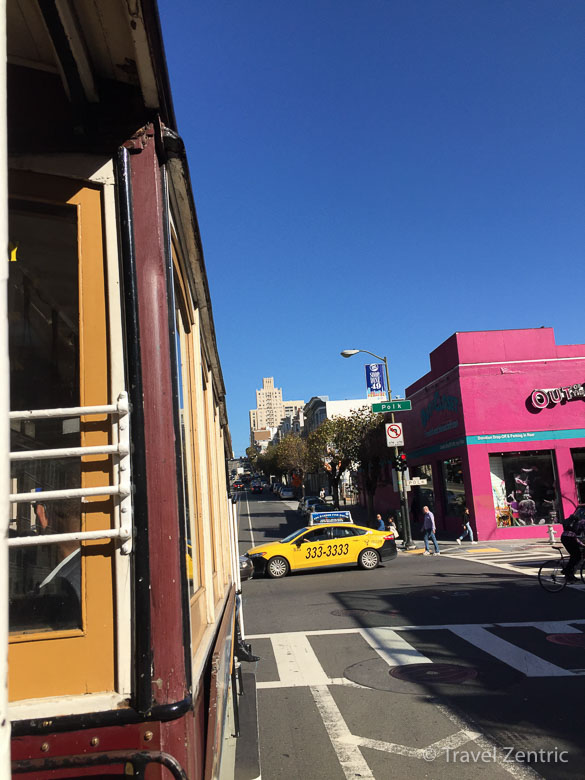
303 503
320 506
286 492
310 502
246 568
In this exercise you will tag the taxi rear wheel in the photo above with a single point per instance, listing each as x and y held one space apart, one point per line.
368 559
277 567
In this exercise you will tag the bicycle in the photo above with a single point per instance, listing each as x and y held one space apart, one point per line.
551 576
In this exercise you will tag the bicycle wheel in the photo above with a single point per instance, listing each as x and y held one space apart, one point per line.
551 577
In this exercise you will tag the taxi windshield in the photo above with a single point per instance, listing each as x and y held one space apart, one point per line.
294 535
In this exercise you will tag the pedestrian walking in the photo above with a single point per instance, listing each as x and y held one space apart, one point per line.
467 530
429 531
391 526
380 523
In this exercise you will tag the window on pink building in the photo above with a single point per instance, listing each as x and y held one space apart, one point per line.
524 488
421 495
453 488
579 469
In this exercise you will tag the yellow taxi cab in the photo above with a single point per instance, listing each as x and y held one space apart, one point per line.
318 546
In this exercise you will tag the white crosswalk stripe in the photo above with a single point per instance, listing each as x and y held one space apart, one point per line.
514 560
393 648
298 664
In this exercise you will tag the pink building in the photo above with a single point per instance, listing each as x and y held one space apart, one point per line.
498 425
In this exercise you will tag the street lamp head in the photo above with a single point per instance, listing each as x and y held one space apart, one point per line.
347 353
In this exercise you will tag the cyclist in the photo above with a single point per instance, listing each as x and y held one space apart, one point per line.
573 538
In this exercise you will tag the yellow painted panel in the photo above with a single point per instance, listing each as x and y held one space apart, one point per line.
50 664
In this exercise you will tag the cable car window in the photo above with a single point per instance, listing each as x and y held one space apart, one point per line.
43 303
62 595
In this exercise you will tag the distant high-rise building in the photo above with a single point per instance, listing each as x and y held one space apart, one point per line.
270 408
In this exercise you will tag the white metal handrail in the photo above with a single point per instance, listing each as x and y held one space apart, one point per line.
68 452
121 407
31 541
56 495
122 489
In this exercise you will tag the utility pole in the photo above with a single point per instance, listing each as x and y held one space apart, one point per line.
402 487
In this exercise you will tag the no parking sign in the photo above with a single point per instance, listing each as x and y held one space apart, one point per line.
394 435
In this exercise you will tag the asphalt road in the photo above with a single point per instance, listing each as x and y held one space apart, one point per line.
427 667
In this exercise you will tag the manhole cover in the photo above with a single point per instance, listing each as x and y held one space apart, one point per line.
344 612
434 673
572 640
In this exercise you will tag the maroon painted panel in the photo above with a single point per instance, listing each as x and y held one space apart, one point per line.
166 608
73 743
221 660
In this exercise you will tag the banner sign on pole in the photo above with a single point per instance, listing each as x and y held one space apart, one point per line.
375 382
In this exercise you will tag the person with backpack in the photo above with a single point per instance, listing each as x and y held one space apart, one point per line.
573 538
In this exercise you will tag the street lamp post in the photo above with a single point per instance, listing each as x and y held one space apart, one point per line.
408 543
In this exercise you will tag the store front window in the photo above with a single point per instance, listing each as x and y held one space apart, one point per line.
453 487
579 469
421 495
524 488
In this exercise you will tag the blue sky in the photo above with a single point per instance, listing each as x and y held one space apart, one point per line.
379 174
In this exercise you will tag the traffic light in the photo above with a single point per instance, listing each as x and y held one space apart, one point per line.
399 462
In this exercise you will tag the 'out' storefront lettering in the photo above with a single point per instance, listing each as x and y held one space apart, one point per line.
540 399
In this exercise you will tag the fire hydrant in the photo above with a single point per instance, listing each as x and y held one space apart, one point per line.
551 534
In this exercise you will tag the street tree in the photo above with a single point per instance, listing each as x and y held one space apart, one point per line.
370 453
267 462
330 450
252 455
292 457
349 442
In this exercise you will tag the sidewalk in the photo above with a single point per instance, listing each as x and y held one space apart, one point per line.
448 540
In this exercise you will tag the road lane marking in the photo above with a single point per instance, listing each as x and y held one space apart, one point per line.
296 660
558 624
479 550
453 742
527 663
249 521
392 648
348 754
517 770
330 681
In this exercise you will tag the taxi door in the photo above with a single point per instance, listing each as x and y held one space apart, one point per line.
345 545
312 548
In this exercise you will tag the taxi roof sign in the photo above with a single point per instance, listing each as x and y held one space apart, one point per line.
341 516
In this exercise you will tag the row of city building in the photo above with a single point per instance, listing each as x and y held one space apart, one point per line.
497 425
274 418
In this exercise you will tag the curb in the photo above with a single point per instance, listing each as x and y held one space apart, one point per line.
247 747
